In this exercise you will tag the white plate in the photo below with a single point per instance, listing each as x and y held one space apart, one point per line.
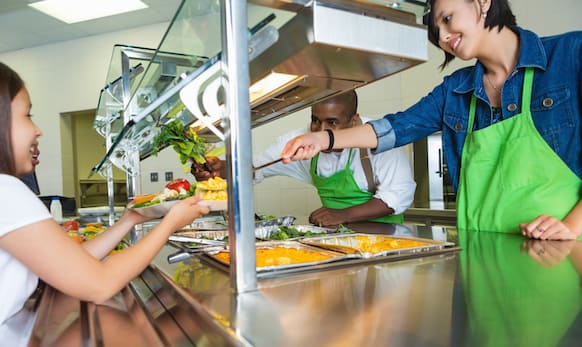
215 205
160 210
157 210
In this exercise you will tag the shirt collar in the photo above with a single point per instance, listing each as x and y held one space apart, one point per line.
531 54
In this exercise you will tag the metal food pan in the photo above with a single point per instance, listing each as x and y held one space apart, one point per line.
206 225
201 234
285 220
264 233
349 244
334 256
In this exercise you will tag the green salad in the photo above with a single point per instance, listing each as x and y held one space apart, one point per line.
289 232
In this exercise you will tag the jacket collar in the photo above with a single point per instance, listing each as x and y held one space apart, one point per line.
531 54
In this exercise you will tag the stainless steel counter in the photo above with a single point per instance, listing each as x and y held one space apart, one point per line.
499 290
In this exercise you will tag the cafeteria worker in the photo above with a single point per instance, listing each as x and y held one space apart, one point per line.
510 123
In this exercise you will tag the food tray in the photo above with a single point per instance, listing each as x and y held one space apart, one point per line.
354 245
264 233
333 256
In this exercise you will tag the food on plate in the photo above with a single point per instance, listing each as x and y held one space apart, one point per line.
212 189
71 225
143 198
181 184
277 256
214 183
174 190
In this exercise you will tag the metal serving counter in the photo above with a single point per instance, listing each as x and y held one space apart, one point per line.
499 290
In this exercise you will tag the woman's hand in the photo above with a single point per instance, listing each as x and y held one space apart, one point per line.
547 227
548 253
305 146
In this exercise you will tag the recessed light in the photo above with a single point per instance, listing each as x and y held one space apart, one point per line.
74 11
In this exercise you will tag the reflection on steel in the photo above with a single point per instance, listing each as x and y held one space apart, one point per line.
208 110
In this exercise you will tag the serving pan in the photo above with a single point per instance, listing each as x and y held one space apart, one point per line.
373 245
283 259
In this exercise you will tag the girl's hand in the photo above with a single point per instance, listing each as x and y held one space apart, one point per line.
186 211
547 227
131 216
305 146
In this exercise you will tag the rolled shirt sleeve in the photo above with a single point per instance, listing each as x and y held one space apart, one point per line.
394 179
385 134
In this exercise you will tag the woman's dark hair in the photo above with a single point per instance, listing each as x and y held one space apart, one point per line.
10 85
499 15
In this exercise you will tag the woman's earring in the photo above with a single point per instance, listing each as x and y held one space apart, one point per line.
484 15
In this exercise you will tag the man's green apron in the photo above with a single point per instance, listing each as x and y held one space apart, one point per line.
510 175
340 190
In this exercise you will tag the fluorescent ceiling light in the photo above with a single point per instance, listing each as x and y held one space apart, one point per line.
270 83
73 11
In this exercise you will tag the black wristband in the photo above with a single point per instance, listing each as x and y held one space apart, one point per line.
330 147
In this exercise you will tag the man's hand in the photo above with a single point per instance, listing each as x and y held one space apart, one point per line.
216 166
327 217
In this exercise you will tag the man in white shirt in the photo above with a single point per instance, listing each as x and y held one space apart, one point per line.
353 184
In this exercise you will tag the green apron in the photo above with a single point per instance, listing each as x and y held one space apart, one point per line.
510 175
340 190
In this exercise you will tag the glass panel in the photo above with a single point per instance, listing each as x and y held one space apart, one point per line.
190 47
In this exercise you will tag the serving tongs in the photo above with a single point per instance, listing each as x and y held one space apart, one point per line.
267 164
206 242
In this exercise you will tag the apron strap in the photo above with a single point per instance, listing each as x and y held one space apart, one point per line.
367 166
526 93
525 99
471 114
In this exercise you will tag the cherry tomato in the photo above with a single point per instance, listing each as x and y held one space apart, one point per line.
179 183
71 225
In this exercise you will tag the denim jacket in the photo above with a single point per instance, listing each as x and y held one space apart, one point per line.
556 103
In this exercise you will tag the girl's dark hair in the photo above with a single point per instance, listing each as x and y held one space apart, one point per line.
10 85
499 15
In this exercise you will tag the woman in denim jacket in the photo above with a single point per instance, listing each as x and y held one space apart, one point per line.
510 123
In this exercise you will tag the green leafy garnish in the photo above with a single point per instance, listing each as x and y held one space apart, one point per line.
343 229
287 232
187 144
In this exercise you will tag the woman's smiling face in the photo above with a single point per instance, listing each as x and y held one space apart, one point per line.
460 27
25 134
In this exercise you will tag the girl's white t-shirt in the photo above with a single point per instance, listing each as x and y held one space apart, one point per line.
19 207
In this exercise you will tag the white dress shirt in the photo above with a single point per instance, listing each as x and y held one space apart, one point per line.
394 180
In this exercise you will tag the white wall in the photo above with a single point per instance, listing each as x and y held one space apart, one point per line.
68 76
